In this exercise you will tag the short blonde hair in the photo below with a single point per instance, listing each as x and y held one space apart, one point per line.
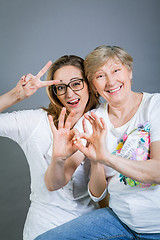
100 55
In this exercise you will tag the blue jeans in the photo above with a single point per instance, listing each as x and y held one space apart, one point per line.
100 224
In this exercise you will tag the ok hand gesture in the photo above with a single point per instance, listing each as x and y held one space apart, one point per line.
63 147
95 148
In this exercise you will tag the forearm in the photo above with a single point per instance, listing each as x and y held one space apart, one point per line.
97 183
55 177
8 99
142 171
61 170
146 171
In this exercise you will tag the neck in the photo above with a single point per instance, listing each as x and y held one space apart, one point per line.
76 118
122 112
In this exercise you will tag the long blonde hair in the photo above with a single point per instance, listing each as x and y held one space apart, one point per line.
55 105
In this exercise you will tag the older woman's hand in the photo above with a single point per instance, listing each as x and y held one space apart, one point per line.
96 148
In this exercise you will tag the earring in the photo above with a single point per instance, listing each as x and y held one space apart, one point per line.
97 94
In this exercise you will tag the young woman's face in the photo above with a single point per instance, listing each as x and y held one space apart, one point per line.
113 81
72 100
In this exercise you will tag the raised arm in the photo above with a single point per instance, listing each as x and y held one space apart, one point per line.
65 159
26 87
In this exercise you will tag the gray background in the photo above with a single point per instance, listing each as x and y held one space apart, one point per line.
33 32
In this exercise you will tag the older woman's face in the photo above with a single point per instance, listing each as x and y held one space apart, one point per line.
113 81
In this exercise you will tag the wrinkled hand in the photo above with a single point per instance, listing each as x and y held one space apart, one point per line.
95 148
63 146
29 83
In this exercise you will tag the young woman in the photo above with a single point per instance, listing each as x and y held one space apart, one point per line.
124 136
66 87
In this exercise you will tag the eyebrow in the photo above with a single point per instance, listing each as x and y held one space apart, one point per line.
100 70
74 78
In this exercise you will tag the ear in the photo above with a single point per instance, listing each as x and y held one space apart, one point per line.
94 90
130 74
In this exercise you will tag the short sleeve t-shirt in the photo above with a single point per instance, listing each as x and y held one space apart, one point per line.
136 204
31 130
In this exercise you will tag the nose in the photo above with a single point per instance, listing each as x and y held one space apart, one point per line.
110 80
69 92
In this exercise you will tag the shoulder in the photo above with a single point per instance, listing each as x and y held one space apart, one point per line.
19 125
22 115
31 112
152 98
152 108
30 117
36 117
101 110
150 102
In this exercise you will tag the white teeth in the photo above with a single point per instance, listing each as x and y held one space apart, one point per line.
72 101
114 90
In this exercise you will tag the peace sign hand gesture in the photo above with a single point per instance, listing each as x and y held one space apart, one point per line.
29 83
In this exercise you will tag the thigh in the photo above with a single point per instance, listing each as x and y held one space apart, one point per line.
155 236
99 224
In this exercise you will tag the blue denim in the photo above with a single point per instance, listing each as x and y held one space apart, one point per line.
100 224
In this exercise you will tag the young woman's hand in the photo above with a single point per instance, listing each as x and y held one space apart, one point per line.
63 146
65 159
27 86
29 83
95 148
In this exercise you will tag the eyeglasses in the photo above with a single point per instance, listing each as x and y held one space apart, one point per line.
75 85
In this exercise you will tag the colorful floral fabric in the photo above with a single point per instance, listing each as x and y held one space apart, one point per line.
135 146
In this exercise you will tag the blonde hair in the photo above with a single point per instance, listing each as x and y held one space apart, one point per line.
100 55
55 105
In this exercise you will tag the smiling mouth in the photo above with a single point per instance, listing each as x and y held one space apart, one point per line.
114 90
73 102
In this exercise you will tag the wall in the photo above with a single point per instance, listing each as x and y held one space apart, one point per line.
33 32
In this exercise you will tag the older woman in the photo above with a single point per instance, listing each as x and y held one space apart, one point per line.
126 138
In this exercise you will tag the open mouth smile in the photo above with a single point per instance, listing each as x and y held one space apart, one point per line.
74 102
114 90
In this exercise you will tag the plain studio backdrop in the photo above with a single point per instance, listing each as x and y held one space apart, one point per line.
35 31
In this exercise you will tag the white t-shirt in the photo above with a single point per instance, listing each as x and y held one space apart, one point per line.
136 204
31 130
